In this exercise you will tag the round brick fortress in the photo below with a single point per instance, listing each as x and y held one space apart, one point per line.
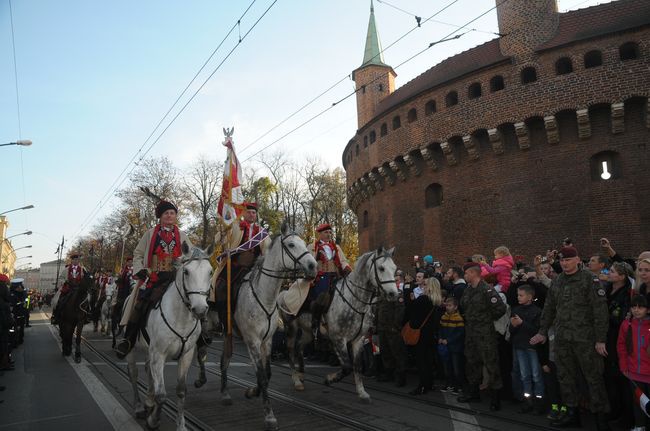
506 143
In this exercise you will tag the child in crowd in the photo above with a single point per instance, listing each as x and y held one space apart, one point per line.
451 345
633 348
501 266
524 324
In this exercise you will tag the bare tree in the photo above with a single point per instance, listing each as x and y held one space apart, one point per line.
203 183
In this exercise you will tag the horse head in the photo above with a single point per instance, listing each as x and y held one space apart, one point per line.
380 270
295 255
193 274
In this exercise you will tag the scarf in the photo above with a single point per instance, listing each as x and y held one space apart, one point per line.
164 242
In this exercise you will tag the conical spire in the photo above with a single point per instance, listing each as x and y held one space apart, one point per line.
372 54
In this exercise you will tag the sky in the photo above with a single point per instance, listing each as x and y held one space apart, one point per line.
95 78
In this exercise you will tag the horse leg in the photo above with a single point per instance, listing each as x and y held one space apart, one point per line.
356 348
226 399
201 358
341 349
157 369
262 371
292 333
306 339
138 407
181 387
77 353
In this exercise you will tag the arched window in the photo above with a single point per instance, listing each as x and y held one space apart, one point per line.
563 66
412 115
430 107
433 195
629 51
365 141
474 90
497 84
593 59
451 99
365 219
528 75
397 123
384 130
373 137
357 150
605 166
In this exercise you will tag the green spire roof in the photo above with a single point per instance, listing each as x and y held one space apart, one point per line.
372 54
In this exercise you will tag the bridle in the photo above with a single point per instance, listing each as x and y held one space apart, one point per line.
186 301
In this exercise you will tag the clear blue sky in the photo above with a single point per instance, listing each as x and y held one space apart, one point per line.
95 77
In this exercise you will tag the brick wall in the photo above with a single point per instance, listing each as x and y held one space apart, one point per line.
379 81
526 24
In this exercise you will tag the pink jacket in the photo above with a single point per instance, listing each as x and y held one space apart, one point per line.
637 364
501 267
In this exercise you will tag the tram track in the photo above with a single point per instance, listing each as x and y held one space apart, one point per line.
318 380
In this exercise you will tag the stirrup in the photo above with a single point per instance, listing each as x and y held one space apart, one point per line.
119 351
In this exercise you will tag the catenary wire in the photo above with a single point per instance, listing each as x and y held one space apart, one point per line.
102 204
448 37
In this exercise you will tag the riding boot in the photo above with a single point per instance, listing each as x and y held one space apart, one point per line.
131 331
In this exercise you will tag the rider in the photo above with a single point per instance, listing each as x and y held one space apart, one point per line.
75 272
236 235
123 285
153 261
332 265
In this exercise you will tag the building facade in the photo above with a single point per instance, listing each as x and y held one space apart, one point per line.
537 135
48 271
7 253
32 278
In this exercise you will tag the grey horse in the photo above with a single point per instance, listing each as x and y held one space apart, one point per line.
348 318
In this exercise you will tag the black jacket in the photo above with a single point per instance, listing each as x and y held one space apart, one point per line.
418 312
521 335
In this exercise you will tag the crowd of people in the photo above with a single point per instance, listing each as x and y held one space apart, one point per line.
16 303
557 335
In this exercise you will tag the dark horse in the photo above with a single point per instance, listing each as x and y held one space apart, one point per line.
73 316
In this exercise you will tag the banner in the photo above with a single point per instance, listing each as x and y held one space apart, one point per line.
232 198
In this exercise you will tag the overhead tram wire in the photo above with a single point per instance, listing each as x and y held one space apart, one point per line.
448 37
346 77
128 164
241 39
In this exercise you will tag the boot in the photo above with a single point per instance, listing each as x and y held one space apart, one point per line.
527 406
601 422
495 401
470 394
130 336
554 414
568 418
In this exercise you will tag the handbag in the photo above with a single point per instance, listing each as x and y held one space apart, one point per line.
412 336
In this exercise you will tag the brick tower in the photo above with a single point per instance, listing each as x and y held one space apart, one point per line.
526 24
374 79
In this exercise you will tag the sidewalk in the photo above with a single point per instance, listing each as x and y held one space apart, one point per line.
45 392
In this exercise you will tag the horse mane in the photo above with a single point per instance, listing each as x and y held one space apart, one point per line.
363 260
195 254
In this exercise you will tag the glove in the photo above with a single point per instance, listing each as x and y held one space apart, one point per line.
142 274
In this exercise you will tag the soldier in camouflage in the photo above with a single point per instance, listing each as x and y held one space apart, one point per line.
481 306
576 306
390 316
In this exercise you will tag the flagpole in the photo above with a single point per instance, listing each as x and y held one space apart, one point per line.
58 263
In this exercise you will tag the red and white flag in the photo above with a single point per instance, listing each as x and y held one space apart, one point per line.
231 202
642 400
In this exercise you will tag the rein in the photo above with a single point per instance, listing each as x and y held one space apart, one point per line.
187 304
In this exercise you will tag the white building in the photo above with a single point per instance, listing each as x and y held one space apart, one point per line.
48 275
32 278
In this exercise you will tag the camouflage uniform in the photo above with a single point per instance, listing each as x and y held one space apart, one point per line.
482 306
390 316
576 306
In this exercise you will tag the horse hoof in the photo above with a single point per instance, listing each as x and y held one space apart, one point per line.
327 382
226 401
77 359
200 382
250 393
366 399
271 424
141 413
299 387
153 425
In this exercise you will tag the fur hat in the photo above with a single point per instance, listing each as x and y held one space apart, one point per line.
164 206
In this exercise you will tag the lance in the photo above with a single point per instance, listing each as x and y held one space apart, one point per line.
59 251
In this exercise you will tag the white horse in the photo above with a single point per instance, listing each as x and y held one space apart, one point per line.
173 328
348 318
107 306
256 314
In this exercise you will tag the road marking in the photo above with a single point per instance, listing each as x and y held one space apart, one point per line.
33 421
460 421
117 415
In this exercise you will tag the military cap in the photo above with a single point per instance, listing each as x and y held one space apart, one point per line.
568 251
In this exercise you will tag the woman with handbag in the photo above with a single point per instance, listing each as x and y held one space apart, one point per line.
421 330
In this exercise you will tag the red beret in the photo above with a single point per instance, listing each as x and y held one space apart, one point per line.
164 206
568 251
129 258
4 278
250 205
323 227
471 265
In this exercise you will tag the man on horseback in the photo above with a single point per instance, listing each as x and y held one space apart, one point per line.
332 265
75 273
236 235
123 287
153 264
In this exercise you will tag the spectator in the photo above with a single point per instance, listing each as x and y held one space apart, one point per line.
524 324
481 305
643 274
546 354
425 314
577 307
456 285
6 323
501 266
599 266
451 345
633 356
390 315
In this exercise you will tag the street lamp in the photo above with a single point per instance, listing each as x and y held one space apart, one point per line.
24 257
28 207
29 232
20 248
21 142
